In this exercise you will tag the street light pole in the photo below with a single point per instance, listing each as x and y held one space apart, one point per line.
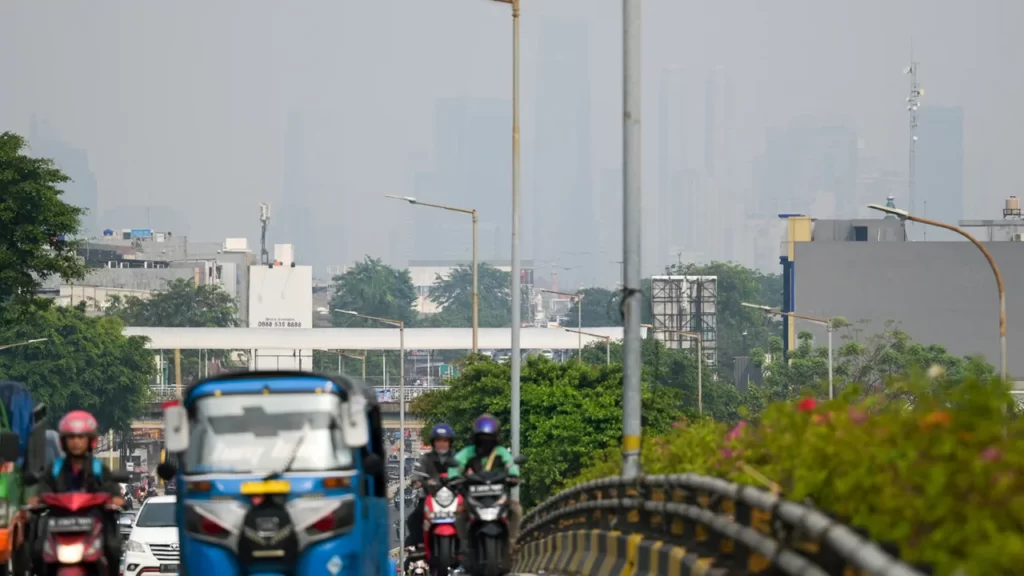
401 415
25 343
607 343
904 215
476 294
828 323
632 291
516 359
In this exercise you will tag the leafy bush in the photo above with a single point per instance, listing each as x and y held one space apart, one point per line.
937 468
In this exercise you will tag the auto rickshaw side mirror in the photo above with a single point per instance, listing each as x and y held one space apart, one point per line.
166 471
10 449
39 412
372 464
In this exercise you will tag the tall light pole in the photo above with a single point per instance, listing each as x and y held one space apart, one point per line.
516 321
576 297
904 215
25 343
476 293
828 323
632 290
607 343
401 415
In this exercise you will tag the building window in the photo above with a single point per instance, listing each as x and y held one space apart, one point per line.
860 233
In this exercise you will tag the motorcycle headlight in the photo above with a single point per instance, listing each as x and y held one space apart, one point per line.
444 497
136 546
488 514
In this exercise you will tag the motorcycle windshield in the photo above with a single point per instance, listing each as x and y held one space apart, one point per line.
257 433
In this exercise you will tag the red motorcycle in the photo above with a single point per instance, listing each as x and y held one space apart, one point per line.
440 540
75 536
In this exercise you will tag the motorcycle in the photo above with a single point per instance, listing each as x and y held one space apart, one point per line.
440 539
416 565
74 543
487 500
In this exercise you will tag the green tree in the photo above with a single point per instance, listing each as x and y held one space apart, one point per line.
677 369
36 226
454 295
86 363
181 304
873 362
376 289
600 308
570 413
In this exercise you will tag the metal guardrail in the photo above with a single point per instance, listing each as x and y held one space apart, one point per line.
690 524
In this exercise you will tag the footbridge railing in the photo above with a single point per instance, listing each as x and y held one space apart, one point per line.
688 524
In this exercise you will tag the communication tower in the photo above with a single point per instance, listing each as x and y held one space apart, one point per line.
913 103
264 222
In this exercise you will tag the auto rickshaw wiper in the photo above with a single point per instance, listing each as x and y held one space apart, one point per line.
293 456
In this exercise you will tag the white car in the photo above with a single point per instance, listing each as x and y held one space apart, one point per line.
152 547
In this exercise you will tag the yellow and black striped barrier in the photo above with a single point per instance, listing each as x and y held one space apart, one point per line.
692 525
601 553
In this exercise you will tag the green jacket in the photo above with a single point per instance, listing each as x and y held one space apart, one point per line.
468 454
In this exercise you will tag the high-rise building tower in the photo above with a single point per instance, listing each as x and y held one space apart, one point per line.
82 190
560 197
939 170
471 170
721 208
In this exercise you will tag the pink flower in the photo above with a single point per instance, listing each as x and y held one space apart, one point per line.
678 425
807 405
991 454
857 416
737 431
725 453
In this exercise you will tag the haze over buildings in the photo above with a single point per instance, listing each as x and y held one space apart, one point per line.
322 110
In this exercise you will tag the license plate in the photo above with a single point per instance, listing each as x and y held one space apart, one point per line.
71 524
266 487
168 568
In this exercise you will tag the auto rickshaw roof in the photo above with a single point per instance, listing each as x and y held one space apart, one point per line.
284 381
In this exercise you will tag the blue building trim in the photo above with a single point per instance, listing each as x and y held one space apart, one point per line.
788 300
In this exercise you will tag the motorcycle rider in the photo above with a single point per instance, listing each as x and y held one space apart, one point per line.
428 470
482 455
79 471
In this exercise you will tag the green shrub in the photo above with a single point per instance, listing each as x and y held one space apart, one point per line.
937 468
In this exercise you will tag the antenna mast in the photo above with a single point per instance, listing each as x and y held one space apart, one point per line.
264 222
913 103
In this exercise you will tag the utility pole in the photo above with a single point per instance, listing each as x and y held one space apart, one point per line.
913 103
631 230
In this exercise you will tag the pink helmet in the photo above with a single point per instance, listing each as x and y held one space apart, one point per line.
78 423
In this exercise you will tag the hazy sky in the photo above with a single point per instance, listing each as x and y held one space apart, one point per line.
186 103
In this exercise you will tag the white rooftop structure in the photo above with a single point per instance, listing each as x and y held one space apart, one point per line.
363 338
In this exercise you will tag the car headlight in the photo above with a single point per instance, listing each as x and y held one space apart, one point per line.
135 546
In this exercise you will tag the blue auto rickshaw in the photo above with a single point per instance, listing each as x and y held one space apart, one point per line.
278 473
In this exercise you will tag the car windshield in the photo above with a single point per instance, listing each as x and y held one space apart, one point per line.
156 515
258 433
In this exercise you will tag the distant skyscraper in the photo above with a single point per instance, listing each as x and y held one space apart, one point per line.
82 190
807 164
939 174
560 195
295 222
721 211
472 170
